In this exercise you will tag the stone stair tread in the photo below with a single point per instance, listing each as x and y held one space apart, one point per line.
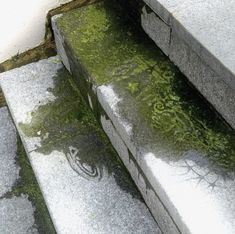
179 152
194 20
85 186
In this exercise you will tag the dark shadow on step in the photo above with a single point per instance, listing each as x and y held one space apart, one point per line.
67 125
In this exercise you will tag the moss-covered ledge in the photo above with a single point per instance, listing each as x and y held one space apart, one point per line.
111 50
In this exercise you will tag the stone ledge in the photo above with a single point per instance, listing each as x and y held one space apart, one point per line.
206 29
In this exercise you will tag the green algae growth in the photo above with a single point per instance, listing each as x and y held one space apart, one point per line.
66 125
113 51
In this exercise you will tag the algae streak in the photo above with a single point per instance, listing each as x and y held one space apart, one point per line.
113 51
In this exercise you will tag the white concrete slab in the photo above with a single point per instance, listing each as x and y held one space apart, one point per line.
207 26
180 155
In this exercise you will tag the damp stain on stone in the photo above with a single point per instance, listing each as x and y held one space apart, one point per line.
28 185
68 125
113 51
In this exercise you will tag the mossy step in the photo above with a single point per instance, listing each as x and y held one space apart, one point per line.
179 152
86 187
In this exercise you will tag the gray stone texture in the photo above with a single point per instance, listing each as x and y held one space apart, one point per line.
59 40
157 29
9 170
23 77
17 216
197 205
16 213
210 85
207 29
151 198
77 202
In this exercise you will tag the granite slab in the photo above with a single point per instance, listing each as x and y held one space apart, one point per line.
85 186
207 29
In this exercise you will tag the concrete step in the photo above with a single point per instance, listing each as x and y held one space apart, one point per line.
179 153
199 38
22 209
86 187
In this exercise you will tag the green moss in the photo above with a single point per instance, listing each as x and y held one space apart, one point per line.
105 42
61 120
113 51
27 184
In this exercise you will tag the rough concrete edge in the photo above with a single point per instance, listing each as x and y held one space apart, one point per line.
214 93
148 190
142 167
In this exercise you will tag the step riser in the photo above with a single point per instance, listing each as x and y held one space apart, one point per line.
128 153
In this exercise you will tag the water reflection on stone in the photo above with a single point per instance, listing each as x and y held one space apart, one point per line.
67 125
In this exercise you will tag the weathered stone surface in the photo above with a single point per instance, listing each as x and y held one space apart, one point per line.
211 86
165 8
23 77
175 174
178 149
85 186
17 216
9 170
207 29
207 26
17 211
157 29
157 208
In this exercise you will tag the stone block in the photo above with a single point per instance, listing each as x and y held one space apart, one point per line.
157 29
